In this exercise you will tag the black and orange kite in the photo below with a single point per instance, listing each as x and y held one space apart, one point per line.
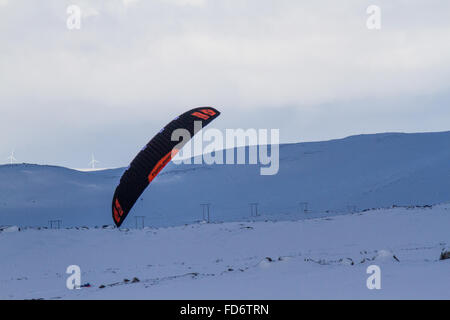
153 158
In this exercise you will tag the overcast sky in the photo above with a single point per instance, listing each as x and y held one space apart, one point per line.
310 68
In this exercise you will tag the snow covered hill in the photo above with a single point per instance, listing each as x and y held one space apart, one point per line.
333 177
310 259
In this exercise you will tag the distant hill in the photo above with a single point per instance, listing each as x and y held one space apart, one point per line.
338 176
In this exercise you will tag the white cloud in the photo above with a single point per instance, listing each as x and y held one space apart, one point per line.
129 2
89 12
294 55
151 58
195 3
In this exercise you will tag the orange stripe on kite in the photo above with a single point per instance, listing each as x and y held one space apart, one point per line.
201 115
208 111
161 164
118 212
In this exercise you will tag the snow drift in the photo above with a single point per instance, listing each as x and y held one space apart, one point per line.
324 258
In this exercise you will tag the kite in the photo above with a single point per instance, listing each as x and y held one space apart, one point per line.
153 158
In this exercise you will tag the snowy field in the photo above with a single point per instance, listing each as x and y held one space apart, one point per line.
365 171
305 259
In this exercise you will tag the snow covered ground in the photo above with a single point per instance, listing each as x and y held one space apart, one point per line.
365 171
314 258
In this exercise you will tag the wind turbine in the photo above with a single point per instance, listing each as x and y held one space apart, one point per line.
11 158
93 162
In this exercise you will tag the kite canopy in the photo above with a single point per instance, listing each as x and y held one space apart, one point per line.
153 158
